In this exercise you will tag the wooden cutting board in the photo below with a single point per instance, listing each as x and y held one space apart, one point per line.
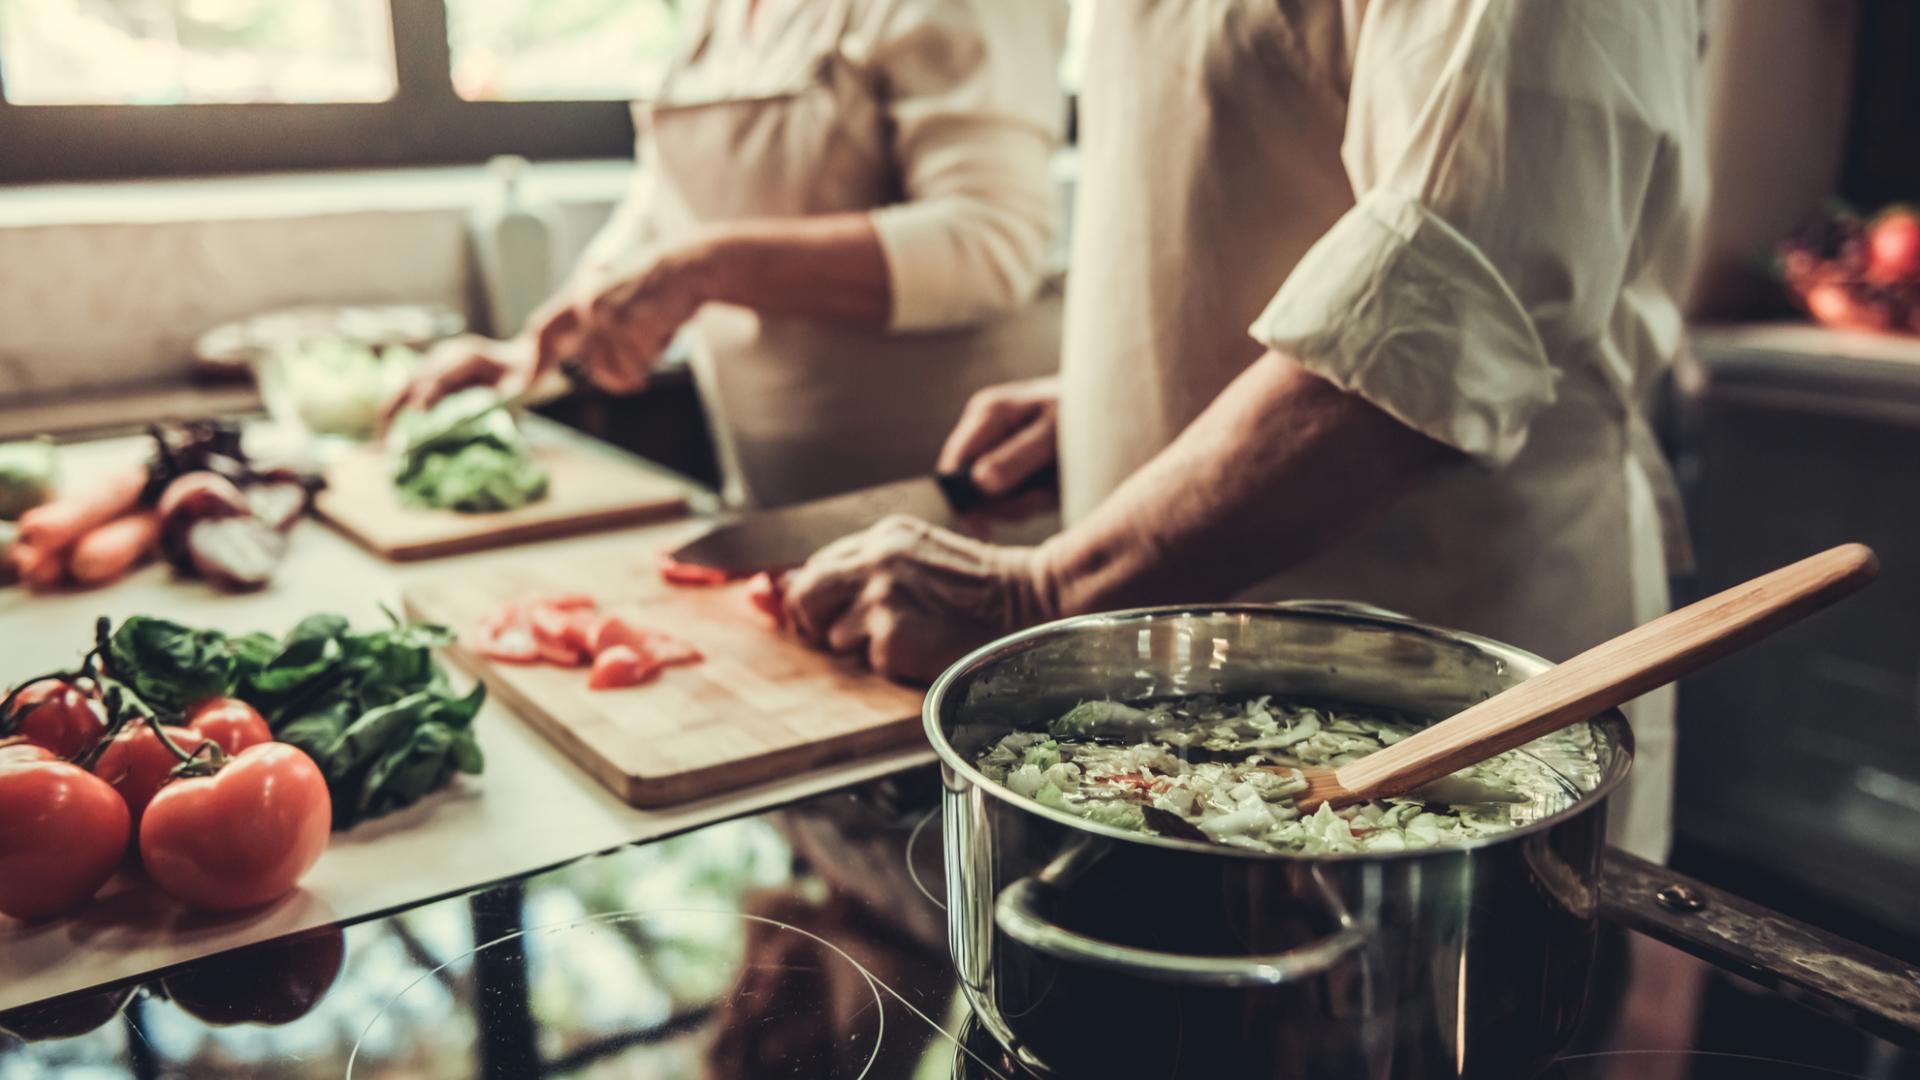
589 490
759 706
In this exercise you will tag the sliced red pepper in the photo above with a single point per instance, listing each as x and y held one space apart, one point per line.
618 666
767 593
678 573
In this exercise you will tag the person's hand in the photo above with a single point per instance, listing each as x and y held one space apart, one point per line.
1005 435
461 362
616 327
912 598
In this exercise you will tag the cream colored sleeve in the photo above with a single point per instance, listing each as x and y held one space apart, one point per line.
973 96
1506 156
627 232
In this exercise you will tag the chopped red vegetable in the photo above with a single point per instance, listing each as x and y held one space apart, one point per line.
569 631
620 665
506 637
767 593
679 573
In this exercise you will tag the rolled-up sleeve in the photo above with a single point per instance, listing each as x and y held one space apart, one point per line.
975 107
1500 152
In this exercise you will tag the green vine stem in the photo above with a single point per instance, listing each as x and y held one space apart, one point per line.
122 707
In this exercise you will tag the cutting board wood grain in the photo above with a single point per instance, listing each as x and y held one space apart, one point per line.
589 490
759 706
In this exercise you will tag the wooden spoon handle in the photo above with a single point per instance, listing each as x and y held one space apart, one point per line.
1614 672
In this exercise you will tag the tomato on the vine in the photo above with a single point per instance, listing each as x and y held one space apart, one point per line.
138 764
229 723
58 715
62 832
18 750
243 836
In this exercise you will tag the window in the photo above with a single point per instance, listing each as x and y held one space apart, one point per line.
101 88
162 52
562 50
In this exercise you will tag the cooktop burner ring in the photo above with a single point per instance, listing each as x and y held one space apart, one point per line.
874 985
1777 1068
913 845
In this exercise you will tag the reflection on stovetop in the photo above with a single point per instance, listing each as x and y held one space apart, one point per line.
808 943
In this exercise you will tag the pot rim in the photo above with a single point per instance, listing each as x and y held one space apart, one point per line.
1612 723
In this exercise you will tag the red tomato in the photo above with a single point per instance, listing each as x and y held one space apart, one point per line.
230 723
506 637
610 630
1893 247
563 627
62 832
58 716
679 573
620 665
241 837
555 636
19 751
275 983
138 764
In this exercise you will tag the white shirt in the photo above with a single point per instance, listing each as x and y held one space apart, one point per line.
937 118
974 112
1476 214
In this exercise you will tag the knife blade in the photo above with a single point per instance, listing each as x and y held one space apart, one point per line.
784 537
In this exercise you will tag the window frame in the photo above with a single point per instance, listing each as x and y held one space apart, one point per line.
425 122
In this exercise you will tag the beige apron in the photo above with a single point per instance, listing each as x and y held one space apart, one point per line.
804 408
1210 162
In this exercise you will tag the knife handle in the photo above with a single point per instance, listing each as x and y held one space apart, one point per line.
964 496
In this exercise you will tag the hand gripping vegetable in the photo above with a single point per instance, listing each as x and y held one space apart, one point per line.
62 832
237 832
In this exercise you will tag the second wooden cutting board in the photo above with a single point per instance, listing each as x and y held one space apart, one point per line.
760 706
591 489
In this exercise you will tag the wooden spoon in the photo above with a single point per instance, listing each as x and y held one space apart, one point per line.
1604 676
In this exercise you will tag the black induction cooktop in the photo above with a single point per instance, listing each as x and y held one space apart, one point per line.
807 942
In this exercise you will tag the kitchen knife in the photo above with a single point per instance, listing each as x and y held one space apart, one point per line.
784 537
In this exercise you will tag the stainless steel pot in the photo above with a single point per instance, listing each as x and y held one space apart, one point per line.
1097 952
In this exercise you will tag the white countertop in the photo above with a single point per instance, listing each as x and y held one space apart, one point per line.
531 809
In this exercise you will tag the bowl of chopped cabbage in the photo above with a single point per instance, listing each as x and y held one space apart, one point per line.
1122 844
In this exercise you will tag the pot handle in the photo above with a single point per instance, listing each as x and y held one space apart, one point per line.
1018 914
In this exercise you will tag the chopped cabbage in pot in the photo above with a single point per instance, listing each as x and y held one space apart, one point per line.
1230 768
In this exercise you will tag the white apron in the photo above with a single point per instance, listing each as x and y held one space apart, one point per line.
802 408
1211 161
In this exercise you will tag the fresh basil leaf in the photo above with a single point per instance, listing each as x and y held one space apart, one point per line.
466 752
297 663
413 768
169 665
315 732
322 627
364 740
251 652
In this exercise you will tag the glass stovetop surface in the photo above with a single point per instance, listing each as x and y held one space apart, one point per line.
808 942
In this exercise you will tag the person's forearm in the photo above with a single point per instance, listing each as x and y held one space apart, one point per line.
826 267
1278 467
